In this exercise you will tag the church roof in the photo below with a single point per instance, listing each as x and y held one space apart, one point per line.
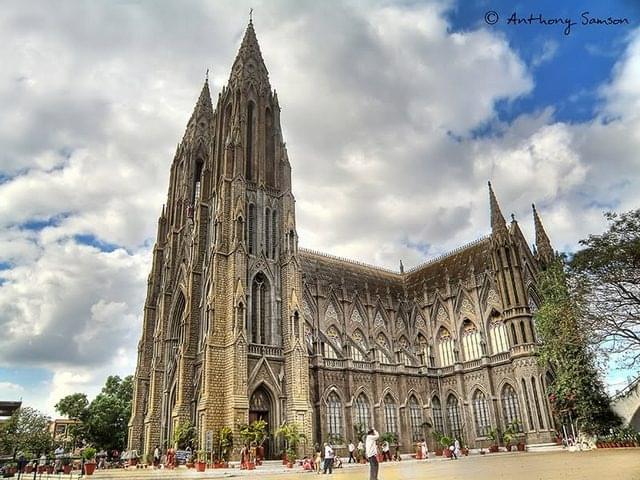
455 265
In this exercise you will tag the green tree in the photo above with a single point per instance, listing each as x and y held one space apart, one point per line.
73 406
105 419
607 272
27 431
577 390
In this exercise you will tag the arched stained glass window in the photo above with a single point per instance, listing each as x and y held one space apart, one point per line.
510 408
361 412
436 411
453 416
445 347
498 334
471 341
415 419
390 415
481 414
334 415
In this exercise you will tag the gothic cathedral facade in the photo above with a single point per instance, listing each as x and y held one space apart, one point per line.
240 323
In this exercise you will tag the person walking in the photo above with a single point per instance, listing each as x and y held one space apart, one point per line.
425 451
352 448
386 454
318 459
456 447
156 457
371 451
328 458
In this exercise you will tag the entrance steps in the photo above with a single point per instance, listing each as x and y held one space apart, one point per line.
544 447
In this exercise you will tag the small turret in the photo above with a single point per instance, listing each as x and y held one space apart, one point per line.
543 245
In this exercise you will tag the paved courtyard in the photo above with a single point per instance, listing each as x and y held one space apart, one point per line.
607 464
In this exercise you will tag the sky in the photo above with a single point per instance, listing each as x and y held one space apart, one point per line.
395 116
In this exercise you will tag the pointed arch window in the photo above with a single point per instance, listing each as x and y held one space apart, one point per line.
527 404
357 355
260 310
390 414
383 347
453 416
436 411
498 334
481 414
362 415
513 334
334 415
471 341
523 331
415 419
329 351
249 147
510 408
270 148
423 349
534 390
267 232
445 347
274 234
251 227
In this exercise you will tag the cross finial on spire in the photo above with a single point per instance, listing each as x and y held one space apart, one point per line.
251 15
206 76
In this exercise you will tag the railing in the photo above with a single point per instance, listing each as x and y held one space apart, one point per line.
500 357
359 365
265 350
472 364
334 363
523 349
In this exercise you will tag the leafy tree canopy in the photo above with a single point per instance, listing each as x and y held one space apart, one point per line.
607 274
26 431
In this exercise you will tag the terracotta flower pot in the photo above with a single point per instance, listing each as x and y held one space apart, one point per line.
493 449
89 468
439 452
201 466
289 465
66 469
251 466
447 453
520 446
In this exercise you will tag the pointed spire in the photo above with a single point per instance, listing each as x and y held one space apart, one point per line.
543 244
203 105
498 223
249 61
401 267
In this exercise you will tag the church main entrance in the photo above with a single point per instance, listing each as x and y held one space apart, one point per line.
259 409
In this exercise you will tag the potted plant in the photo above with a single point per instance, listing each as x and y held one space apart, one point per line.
261 434
445 442
438 448
290 432
507 438
89 455
201 462
66 464
225 443
493 437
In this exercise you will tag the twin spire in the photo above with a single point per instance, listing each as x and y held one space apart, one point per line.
499 227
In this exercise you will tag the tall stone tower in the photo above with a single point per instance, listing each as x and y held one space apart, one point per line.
222 340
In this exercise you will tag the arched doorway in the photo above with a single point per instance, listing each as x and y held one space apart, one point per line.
260 408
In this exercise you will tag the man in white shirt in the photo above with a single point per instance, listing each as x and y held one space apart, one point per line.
352 448
328 458
371 451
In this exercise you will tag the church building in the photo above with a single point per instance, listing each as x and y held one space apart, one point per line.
240 323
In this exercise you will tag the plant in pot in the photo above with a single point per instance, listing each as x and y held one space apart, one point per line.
89 455
445 442
507 438
493 438
436 437
201 462
225 443
290 432
66 464
261 434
